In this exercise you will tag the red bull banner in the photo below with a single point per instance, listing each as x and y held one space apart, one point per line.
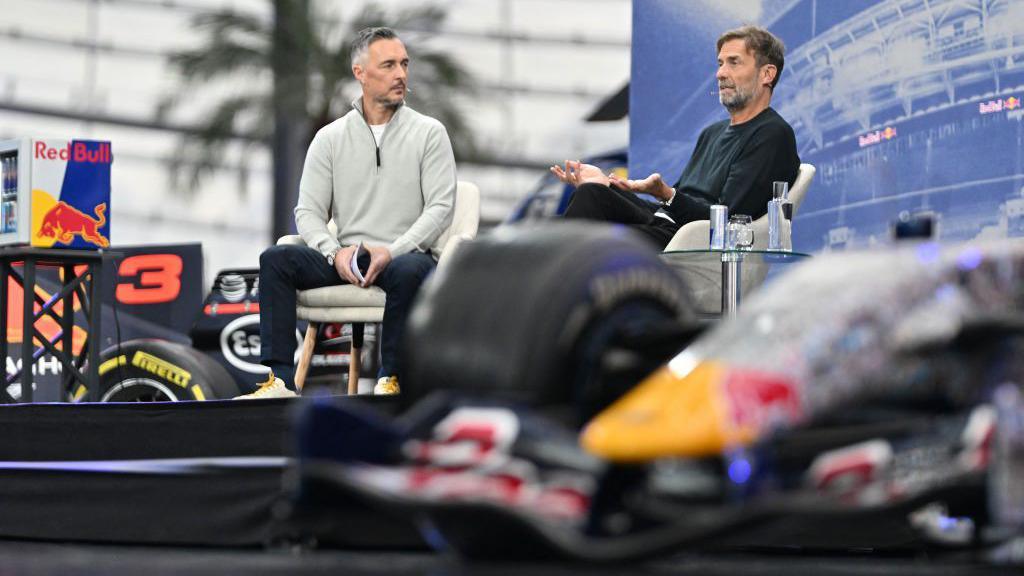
70 183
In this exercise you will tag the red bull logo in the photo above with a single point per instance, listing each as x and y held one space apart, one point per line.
998 105
63 222
76 152
877 136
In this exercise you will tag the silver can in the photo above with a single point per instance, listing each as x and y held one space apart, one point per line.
775 224
719 226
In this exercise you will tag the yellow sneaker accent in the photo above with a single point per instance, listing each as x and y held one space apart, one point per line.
668 415
387 386
272 388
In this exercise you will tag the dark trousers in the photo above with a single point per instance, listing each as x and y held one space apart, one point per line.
285 269
593 201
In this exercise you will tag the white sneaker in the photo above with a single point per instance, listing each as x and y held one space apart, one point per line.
272 388
387 386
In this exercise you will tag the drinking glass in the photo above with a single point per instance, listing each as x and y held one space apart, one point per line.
741 232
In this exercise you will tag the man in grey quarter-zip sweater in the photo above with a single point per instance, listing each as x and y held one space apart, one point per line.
386 175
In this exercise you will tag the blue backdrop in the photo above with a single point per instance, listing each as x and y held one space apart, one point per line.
903 105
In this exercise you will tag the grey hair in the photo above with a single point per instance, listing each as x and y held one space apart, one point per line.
368 36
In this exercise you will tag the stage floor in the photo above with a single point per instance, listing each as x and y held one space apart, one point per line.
21 558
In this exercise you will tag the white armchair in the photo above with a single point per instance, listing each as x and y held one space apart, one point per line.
354 305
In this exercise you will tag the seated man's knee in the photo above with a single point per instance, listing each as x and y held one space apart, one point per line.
411 267
272 253
276 256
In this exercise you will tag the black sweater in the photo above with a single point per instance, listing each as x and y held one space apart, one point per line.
735 166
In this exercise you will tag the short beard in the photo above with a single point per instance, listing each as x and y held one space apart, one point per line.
389 103
738 101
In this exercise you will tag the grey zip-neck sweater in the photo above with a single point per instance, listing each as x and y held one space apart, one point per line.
399 193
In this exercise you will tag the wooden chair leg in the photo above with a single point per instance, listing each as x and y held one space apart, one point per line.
307 355
355 357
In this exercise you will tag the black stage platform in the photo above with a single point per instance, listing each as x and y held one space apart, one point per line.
200 488
60 432
155 502
28 558
185 473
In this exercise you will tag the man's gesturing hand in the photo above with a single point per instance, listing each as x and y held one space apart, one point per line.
380 257
576 173
652 185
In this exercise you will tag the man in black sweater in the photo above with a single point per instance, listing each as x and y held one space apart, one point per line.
734 163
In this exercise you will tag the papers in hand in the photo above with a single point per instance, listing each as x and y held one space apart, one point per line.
354 263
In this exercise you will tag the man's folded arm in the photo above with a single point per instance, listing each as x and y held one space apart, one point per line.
316 190
437 182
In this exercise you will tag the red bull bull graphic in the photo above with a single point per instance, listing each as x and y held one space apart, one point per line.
56 193
63 222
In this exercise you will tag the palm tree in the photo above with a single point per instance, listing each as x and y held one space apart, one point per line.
307 55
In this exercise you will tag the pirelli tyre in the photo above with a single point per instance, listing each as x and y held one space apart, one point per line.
158 371
538 313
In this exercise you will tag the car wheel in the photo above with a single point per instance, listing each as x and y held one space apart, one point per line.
158 371
539 314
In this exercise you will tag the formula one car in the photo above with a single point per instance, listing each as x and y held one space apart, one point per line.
863 401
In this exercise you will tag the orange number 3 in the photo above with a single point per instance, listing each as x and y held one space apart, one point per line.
159 279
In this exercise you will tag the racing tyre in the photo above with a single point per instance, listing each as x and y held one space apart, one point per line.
538 314
159 371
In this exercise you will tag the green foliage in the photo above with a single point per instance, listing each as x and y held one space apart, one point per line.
240 51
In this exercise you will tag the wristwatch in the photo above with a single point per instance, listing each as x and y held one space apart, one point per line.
330 257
